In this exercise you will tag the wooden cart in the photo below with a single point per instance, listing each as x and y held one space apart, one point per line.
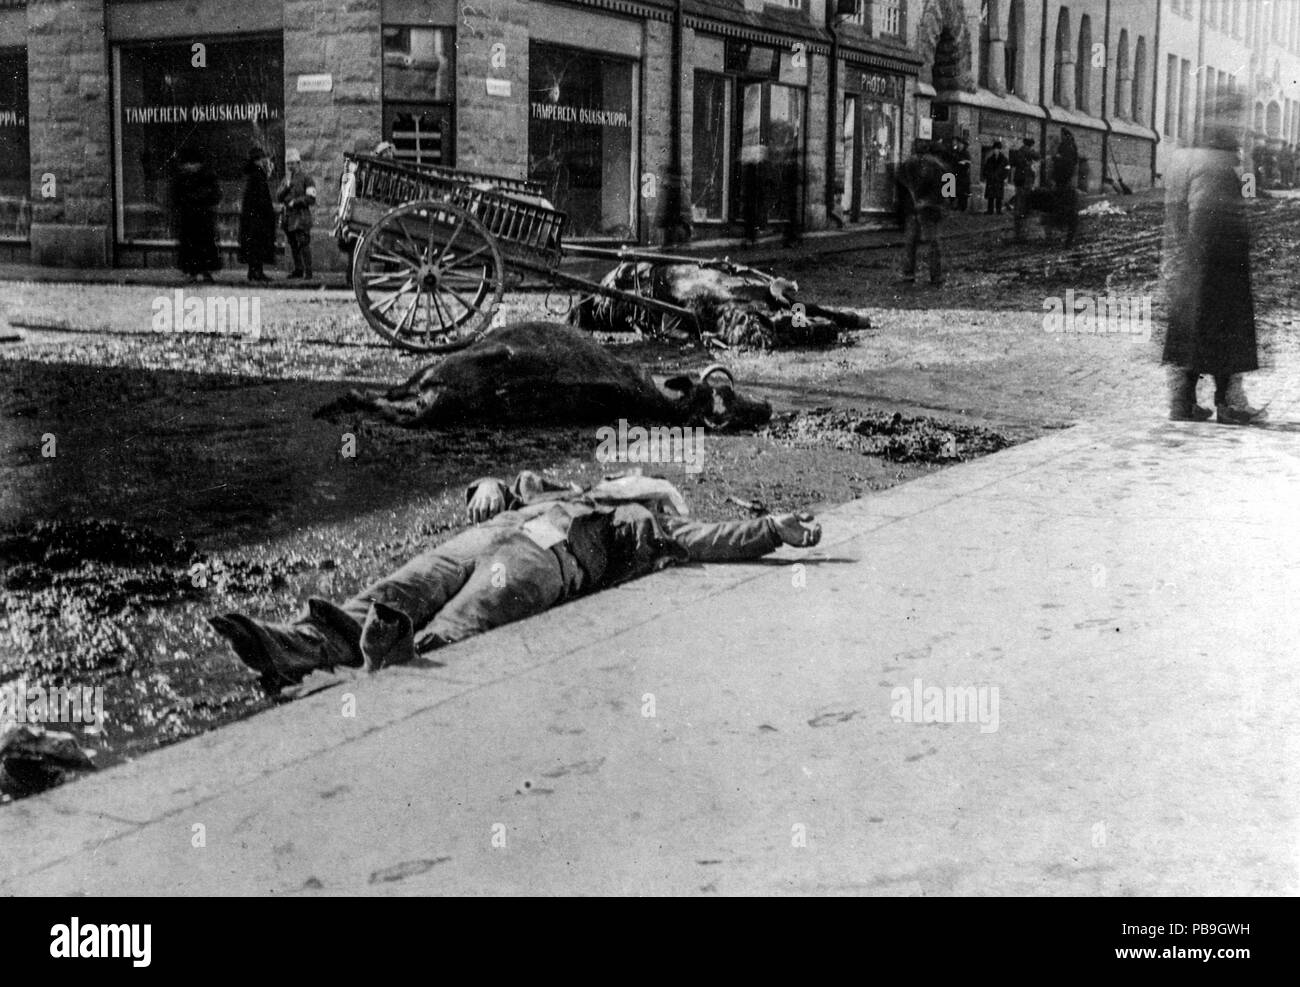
434 248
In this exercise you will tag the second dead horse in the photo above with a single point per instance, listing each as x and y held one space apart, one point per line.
734 306
547 373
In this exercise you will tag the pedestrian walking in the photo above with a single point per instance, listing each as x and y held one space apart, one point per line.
1022 177
920 179
1065 161
1206 273
996 168
297 195
195 195
257 216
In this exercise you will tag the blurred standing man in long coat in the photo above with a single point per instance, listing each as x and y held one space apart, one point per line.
1207 272
257 217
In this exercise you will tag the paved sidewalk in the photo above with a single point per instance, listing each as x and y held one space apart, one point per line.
1129 591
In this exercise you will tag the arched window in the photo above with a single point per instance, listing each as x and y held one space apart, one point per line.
1122 75
1060 93
1083 67
1015 47
1140 81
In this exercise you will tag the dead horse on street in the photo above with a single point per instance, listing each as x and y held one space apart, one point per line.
548 373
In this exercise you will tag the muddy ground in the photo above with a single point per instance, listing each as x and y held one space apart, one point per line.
187 477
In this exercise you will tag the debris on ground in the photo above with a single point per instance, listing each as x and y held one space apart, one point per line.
895 437
33 759
1103 208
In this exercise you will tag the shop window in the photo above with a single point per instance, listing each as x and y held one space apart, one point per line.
710 148
15 160
582 137
771 142
419 95
164 104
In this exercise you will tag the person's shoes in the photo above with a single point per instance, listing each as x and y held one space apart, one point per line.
387 638
1229 415
1194 413
282 654
799 530
294 276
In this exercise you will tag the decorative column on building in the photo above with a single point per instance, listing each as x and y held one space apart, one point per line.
1066 98
1125 93
997 56
68 88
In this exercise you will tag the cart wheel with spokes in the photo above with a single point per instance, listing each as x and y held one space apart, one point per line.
428 277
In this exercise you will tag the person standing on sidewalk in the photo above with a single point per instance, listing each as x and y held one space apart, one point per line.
195 195
1022 177
298 195
257 217
995 170
1206 272
921 178
961 166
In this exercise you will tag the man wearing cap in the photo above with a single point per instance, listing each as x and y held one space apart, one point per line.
535 543
298 195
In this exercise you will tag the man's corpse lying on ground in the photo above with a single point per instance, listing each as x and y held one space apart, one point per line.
535 543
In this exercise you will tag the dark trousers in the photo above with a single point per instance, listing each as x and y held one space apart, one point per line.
300 246
1020 209
921 229
993 204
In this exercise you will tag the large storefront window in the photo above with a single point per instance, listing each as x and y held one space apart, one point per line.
419 72
582 137
710 165
872 141
771 142
749 137
167 102
15 161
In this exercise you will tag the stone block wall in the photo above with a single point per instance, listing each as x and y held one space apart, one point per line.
68 91
492 130
343 39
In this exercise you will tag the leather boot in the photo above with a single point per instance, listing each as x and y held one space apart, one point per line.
1182 397
387 638
283 654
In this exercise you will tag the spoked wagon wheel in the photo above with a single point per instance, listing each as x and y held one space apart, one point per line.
428 277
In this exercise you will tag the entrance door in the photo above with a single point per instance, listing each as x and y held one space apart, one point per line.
851 159
748 191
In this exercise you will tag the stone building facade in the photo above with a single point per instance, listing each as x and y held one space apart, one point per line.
642 117
646 120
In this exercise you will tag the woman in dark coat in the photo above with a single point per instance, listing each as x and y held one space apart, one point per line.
257 217
195 196
1207 275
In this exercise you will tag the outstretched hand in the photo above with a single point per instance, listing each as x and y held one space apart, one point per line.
799 529
488 501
